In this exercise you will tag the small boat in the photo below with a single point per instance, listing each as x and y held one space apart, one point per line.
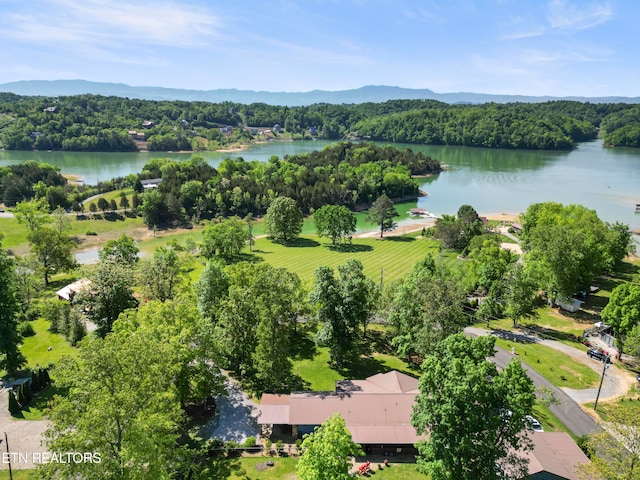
637 207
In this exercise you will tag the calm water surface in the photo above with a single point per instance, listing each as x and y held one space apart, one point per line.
493 181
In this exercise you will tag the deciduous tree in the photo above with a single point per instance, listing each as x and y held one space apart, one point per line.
427 308
473 414
162 273
615 451
623 311
123 250
108 295
121 404
326 452
283 221
226 238
335 222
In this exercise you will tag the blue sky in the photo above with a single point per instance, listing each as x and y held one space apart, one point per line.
529 47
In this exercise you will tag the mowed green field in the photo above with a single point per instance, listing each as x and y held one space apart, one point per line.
391 258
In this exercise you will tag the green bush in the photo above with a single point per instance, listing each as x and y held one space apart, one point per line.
250 442
91 233
25 329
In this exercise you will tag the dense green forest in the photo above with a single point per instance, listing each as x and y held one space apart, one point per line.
97 123
346 174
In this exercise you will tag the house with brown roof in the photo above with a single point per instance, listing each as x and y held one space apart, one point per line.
554 456
377 411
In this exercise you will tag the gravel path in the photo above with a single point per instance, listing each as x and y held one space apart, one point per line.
24 437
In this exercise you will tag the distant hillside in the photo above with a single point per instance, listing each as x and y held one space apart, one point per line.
373 94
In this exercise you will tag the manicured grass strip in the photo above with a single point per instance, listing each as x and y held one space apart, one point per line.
392 257
35 348
561 370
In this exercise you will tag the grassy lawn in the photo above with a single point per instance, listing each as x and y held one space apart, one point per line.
37 410
631 405
18 474
311 362
284 469
35 348
393 257
556 367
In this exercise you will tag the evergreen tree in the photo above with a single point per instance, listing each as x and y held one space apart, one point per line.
14 408
35 381
382 212
22 399
11 358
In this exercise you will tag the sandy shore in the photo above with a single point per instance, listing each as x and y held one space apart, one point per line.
411 225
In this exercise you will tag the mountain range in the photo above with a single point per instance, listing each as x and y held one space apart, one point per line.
376 94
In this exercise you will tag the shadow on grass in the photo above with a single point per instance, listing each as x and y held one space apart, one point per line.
219 466
359 367
302 346
350 248
551 333
113 217
513 336
301 242
401 239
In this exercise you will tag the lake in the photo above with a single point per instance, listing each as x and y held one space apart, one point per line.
492 181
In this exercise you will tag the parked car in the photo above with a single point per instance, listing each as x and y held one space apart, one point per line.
535 424
598 355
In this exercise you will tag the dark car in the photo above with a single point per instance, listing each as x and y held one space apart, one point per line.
598 355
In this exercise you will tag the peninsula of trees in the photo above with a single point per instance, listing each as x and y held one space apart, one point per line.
114 124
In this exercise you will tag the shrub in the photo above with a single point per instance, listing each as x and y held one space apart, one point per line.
250 442
25 329
32 313
91 233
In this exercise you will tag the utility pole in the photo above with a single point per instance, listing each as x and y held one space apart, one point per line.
604 367
6 441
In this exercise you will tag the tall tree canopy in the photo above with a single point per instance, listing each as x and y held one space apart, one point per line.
567 246
427 308
121 404
326 452
623 311
472 414
335 222
11 358
283 221
342 305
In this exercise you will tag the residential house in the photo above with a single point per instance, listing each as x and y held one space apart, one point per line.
69 291
377 411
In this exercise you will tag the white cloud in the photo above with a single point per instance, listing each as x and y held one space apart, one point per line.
567 16
112 23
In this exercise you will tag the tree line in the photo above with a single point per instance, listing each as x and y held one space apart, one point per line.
97 123
347 174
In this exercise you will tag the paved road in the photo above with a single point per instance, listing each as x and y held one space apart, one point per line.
236 417
567 410
24 437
